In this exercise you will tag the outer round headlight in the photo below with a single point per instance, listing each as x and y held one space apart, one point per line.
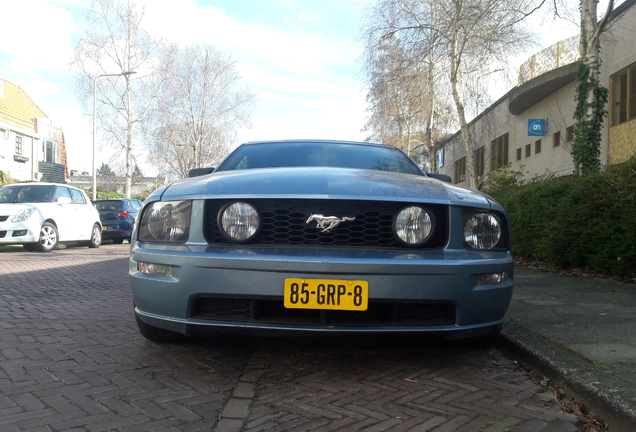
239 222
413 226
166 221
482 231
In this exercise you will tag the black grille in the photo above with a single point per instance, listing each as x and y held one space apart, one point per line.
272 311
284 222
3 218
3 234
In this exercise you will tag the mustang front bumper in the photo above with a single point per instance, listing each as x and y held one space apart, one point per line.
256 276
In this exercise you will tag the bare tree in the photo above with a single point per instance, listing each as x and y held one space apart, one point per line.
395 97
406 91
114 45
463 37
200 107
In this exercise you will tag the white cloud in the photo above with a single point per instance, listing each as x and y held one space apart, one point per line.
42 40
303 73
322 118
282 48
283 82
36 87
304 80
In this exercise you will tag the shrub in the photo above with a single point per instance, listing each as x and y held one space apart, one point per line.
502 179
583 222
5 179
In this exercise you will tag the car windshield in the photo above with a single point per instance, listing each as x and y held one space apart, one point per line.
25 194
319 154
108 205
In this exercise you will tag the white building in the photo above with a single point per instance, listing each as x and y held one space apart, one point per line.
31 146
531 127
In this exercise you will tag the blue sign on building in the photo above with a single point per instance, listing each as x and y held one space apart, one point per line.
536 127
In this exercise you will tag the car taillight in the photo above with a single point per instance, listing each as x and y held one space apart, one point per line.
122 213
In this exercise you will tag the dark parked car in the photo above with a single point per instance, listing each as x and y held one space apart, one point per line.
118 217
320 237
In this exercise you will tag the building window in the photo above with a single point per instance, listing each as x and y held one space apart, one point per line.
460 170
528 150
556 139
537 146
479 161
48 151
499 152
623 96
18 145
569 134
519 154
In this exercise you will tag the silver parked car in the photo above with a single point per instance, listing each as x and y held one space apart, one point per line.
39 215
320 237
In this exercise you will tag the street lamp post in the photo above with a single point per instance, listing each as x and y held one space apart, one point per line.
94 127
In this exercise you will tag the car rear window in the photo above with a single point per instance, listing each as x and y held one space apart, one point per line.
108 205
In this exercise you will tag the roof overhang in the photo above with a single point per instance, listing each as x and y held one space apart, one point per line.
537 89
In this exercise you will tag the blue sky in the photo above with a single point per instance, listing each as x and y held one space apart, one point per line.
302 58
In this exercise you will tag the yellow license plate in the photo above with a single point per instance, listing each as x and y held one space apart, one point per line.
326 294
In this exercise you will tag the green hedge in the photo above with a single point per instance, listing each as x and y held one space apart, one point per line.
5 179
577 222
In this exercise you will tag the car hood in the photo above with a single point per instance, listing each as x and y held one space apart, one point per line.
11 209
324 183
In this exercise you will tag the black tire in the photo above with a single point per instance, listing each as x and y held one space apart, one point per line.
118 241
157 334
96 237
48 238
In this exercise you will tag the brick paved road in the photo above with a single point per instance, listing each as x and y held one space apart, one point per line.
71 359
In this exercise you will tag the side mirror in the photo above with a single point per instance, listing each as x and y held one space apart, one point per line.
196 172
63 200
442 177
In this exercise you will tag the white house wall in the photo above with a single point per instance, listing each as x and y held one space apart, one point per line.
22 171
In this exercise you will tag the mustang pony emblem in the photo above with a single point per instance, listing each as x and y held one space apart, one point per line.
327 222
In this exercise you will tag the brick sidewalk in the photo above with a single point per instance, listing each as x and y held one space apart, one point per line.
71 359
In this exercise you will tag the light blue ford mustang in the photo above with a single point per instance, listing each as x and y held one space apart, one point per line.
320 237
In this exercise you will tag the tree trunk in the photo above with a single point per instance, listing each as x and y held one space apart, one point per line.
591 97
461 115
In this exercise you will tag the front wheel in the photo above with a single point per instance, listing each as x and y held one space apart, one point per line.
157 334
48 238
96 237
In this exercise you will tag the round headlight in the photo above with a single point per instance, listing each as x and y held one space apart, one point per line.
166 221
239 222
413 226
482 231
